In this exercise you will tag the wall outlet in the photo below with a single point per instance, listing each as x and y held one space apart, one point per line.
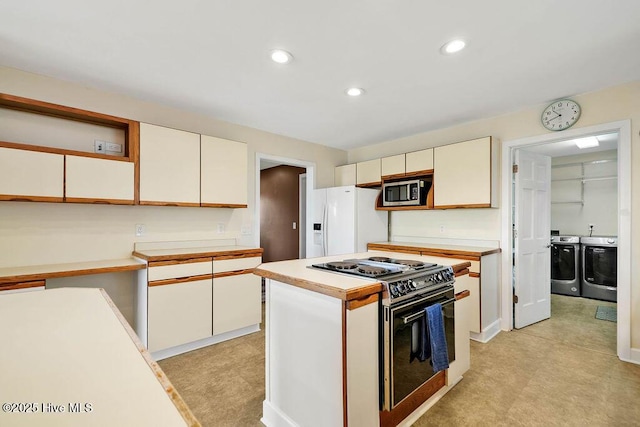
140 230
442 229
100 146
245 230
220 228
113 147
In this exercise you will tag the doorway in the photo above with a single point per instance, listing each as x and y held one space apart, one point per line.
622 129
281 205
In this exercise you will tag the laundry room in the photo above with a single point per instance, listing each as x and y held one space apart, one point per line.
584 227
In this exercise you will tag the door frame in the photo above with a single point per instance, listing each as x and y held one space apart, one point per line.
623 128
309 166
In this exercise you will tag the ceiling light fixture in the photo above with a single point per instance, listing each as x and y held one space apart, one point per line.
281 56
354 91
453 46
588 142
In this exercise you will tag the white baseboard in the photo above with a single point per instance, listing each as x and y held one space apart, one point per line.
487 333
273 417
634 356
179 349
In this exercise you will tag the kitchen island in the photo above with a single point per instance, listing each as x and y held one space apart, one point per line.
69 358
322 345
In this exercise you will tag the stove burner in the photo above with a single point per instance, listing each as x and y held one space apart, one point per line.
342 265
379 259
410 262
371 270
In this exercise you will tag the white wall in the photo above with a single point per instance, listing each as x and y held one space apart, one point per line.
605 106
600 197
45 233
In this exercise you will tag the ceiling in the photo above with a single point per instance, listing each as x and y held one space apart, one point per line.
212 57
608 141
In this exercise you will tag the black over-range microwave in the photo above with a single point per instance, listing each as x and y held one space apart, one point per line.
405 193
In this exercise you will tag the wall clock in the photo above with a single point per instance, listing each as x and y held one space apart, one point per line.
561 114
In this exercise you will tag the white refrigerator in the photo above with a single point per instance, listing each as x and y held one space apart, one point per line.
345 220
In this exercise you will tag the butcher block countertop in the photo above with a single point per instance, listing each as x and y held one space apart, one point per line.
50 271
165 254
70 359
435 249
297 273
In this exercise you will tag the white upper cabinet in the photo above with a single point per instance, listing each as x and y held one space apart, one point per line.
345 175
368 173
464 174
99 179
418 161
169 166
31 175
223 172
393 165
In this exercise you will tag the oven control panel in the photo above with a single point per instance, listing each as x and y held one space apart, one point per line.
420 282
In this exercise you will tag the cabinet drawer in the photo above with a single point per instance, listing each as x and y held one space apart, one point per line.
101 179
475 267
174 271
220 266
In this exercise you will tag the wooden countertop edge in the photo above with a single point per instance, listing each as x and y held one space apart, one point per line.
459 269
172 393
343 294
196 254
85 268
428 250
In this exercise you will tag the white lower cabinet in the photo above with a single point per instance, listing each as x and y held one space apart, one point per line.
179 313
463 316
237 302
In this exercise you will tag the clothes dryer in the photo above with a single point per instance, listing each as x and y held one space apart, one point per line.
565 265
600 267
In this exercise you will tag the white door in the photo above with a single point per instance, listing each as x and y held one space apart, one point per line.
340 225
532 287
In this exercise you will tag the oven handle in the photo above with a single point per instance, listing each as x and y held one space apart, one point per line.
414 316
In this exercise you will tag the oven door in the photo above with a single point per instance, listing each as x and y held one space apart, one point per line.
403 372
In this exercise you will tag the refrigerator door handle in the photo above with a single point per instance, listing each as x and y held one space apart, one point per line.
325 233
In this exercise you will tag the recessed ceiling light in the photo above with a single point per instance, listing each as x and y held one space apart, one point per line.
453 46
354 91
588 142
281 56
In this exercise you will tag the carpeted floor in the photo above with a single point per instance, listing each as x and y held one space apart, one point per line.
562 371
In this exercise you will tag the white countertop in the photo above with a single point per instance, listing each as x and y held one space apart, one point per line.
444 248
297 272
66 346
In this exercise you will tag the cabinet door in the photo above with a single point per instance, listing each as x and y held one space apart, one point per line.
345 175
179 313
169 166
31 175
463 347
393 165
237 302
419 161
463 174
368 173
223 172
90 179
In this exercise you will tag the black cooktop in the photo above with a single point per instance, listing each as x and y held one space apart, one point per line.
375 267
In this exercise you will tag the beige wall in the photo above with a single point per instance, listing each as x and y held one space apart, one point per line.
41 233
609 105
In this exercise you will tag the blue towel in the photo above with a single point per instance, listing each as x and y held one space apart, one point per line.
439 353
424 346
